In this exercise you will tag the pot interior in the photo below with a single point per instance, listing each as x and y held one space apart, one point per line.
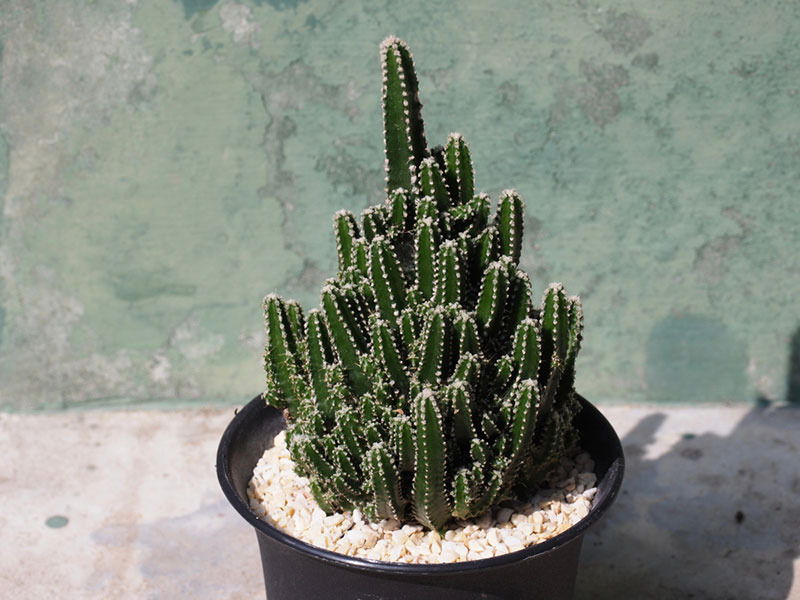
254 427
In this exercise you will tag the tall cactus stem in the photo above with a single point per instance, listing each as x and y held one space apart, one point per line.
404 131
431 504
509 223
460 178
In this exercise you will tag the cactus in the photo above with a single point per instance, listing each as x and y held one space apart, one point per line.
427 386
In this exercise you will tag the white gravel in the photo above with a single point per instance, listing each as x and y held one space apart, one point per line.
278 495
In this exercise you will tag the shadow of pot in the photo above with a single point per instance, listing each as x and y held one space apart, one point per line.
295 570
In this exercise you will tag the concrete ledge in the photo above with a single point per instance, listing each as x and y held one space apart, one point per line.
709 508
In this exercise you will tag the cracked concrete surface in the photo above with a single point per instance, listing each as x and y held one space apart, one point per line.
124 504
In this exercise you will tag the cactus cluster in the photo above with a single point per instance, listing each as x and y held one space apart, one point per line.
427 385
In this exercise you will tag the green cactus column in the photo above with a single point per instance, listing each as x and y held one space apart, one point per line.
427 386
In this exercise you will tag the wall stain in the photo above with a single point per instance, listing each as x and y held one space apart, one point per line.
284 95
509 93
712 258
648 61
625 31
342 169
192 7
137 285
598 97
281 4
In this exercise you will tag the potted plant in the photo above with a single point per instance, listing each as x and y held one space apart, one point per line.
427 388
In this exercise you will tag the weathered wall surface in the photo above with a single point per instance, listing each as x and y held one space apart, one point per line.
163 165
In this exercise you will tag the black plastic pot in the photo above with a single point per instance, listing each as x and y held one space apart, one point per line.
295 570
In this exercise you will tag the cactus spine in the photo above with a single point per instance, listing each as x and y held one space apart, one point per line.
427 385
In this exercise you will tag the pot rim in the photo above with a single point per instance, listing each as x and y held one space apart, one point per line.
615 470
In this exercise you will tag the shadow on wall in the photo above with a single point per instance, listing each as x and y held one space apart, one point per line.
793 370
695 359
715 517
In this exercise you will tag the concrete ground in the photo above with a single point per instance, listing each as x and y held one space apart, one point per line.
125 504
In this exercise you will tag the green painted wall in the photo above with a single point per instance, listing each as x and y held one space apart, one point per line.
164 165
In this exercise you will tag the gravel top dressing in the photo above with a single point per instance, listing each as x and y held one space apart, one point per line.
278 495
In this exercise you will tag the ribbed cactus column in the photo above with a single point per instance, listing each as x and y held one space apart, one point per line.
427 385
404 133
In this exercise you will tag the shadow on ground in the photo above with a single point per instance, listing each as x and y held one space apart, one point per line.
715 517
208 553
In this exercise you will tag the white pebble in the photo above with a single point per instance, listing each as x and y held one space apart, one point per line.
281 497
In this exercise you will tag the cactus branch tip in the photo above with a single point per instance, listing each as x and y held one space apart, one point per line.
271 297
392 40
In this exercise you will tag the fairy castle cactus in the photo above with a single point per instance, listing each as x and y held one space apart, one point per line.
427 385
